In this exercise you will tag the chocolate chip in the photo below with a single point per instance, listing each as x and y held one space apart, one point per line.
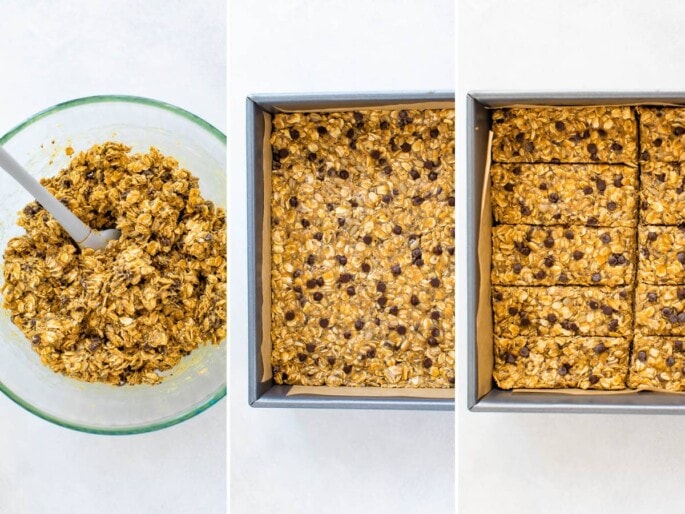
432 341
311 283
319 281
601 185
414 174
432 176
592 148
613 325
401 330
543 186
681 257
592 221
344 174
600 348
342 260
359 324
540 274
616 147
321 130
347 335
577 255
657 142
666 312
434 133
375 154
670 361
367 239
529 146
384 125
311 260
386 198
651 297
427 362
380 287
345 278
680 292
405 147
563 278
552 318
294 134
608 310
596 277
450 201
318 296
354 203
679 131
524 351
612 261
435 315
350 133
513 311
393 310
559 125
311 157
331 360
347 369
366 267
611 206
435 282
553 197
351 291
568 234
520 137
437 250
645 156
414 300
593 304
549 261
323 322
395 269
660 177
642 356
318 236
678 345
301 357
516 268
618 181
293 201
509 358
563 370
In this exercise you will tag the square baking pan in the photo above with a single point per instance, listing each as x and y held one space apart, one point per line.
482 393
263 391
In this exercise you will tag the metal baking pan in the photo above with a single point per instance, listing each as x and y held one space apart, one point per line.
263 391
497 400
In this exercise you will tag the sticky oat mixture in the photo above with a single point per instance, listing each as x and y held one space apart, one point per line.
362 220
126 313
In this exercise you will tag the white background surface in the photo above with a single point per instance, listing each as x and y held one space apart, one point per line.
534 463
51 51
327 461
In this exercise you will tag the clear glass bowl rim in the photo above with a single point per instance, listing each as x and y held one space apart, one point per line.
139 100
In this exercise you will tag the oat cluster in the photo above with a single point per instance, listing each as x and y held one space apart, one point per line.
629 222
362 232
125 314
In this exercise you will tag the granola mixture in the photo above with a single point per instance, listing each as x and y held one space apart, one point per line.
662 193
362 226
124 314
565 135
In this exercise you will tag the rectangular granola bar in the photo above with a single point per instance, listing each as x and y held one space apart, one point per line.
557 194
578 255
657 362
660 310
562 311
561 362
565 134
662 193
661 255
662 134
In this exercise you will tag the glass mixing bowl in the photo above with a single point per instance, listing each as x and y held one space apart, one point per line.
39 144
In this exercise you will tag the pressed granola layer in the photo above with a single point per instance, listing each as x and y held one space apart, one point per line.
657 362
561 362
662 193
660 310
562 311
662 134
558 194
128 312
661 255
362 231
565 135
576 255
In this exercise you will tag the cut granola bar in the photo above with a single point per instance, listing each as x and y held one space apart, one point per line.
561 362
662 134
565 135
662 193
658 362
576 255
660 310
562 311
558 194
661 255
